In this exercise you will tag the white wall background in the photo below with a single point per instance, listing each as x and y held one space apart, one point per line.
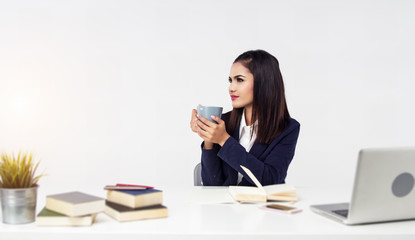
102 90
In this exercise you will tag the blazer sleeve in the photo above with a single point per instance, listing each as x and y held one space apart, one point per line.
273 165
212 170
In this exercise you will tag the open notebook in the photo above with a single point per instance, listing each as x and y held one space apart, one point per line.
276 192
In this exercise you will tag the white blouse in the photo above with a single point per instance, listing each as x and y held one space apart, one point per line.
245 138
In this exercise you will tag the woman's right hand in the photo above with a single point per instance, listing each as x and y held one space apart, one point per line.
193 121
195 127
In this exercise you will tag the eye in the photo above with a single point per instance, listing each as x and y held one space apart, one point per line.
229 80
239 80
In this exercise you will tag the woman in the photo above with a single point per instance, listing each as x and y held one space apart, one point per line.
258 133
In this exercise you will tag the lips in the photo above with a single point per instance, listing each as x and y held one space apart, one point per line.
233 97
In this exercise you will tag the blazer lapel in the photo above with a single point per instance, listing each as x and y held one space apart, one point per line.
257 149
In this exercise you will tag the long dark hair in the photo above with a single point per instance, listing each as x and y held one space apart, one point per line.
269 106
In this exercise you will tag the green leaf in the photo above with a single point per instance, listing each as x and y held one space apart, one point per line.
18 171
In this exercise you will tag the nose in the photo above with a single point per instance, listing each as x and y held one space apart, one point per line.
232 87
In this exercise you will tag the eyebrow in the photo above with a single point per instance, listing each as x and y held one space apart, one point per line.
239 75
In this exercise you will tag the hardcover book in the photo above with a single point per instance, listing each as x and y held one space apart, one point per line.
122 213
75 204
136 198
276 192
50 218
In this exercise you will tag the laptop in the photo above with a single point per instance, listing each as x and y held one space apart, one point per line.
383 189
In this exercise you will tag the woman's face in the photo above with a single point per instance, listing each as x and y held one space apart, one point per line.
241 86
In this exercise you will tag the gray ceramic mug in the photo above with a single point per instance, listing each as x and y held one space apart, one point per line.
208 111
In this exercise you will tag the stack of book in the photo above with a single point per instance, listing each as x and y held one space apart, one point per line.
70 209
129 203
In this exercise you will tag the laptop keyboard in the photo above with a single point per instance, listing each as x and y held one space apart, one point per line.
342 212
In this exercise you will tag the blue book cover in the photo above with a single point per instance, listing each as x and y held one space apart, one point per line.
139 192
136 198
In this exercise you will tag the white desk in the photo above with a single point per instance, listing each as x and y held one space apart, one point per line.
190 220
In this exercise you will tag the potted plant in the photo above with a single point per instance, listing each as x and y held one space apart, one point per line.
18 187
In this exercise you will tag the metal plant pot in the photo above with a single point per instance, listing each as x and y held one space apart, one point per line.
18 205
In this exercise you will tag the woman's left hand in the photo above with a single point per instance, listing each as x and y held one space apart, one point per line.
212 132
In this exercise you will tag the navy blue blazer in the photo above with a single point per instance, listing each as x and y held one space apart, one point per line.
268 162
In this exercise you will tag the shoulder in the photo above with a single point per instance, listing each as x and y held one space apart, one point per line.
293 126
292 131
293 123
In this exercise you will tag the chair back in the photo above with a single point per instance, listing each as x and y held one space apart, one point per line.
197 175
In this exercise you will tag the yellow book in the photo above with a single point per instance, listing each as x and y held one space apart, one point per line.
50 218
276 192
122 213
75 204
